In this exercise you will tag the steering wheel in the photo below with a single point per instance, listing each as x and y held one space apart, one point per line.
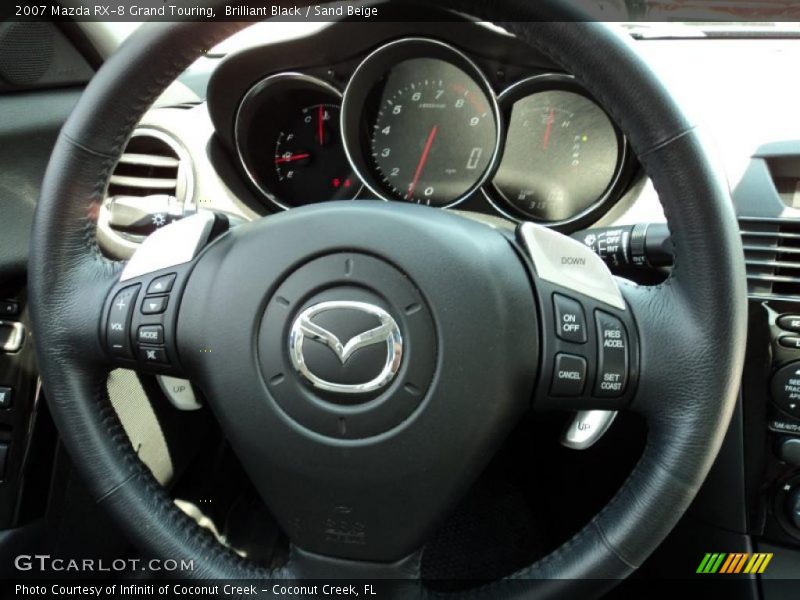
366 359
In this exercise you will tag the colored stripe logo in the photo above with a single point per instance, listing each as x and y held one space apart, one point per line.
732 563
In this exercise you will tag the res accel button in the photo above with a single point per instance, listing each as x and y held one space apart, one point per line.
612 354
569 377
570 319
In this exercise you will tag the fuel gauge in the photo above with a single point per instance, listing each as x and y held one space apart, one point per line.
289 141
310 165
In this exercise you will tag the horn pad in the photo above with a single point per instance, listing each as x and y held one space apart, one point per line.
283 319
343 296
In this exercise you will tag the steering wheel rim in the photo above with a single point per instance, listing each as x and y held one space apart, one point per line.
692 327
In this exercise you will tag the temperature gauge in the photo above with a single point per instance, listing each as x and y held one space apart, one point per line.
310 164
289 141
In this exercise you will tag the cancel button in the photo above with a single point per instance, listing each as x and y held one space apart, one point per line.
569 377
612 356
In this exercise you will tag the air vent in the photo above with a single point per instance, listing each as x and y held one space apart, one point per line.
772 256
150 187
148 166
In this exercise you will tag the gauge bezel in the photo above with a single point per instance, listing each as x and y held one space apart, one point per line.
547 82
371 71
255 97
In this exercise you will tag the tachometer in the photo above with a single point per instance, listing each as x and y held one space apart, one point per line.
421 123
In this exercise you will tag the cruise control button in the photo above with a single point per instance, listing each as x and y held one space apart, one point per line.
612 364
153 355
162 285
570 319
789 323
155 305
790 341
151 334
119 322
569 377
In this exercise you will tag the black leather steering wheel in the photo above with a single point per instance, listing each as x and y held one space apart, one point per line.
389 465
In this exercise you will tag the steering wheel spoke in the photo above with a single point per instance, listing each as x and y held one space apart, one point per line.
139 323
590 343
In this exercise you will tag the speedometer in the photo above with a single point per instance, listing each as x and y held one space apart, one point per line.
421 123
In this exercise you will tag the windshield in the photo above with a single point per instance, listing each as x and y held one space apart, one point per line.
644 19
712 29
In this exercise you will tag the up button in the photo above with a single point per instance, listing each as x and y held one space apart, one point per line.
612 368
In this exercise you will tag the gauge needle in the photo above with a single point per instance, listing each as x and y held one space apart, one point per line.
291 158
321 130
548 130
422 160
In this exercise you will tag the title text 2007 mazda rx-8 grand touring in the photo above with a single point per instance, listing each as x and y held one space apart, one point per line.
462 298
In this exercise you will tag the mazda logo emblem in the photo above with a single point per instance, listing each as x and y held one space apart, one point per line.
387 332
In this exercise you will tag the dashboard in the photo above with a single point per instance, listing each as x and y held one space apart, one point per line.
454 119
420 122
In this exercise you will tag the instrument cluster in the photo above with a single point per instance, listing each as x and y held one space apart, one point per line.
420 121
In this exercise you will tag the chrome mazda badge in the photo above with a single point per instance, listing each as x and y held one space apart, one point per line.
387 332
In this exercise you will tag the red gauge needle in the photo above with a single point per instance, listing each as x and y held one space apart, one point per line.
549 129
422 160
321 130
291 158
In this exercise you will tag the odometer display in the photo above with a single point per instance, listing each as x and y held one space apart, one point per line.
435 133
